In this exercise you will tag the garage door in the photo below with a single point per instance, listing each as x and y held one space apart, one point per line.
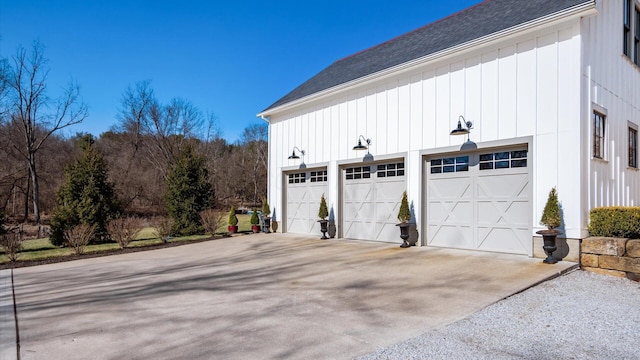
480 201
304 190
371 199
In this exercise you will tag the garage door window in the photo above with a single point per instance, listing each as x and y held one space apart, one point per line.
297 178
356 173
390 170
450 165
503 160
319 176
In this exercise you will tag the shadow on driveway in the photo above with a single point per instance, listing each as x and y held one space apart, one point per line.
258 296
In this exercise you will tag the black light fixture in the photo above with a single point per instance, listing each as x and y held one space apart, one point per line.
362 147
294 155
462 130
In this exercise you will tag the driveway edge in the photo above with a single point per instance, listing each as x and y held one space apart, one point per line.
8 331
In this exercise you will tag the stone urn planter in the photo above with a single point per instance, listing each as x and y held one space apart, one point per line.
324 228
404 234
404 215
323 212
549 244
551 218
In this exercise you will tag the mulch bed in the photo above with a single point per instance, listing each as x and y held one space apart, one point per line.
88 255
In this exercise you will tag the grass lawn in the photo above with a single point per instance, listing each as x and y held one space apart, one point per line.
41 249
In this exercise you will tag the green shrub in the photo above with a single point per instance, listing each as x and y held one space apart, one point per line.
404 214
615 221
233 219
323 212
254 217
551 213
266 210
86 196
188 192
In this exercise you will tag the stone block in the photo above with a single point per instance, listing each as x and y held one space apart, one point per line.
608 272
604 246
633 248
589 260
620 263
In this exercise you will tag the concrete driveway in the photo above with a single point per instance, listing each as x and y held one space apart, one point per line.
266 296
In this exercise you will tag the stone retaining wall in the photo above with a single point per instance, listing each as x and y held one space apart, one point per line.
611 256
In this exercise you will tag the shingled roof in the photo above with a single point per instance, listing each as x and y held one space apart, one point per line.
478 21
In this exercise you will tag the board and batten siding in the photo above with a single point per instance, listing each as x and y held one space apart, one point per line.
525 86
611 82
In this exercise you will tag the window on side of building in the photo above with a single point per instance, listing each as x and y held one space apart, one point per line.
636 38
633 147
598 135
626 40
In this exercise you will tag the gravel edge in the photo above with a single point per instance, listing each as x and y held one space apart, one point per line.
579 315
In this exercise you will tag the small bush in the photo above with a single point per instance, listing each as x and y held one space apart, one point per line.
233 219
163 227
11 243
551 213
78 237
124 230
615 221
254 217
266 210
211 220
323 212
404 214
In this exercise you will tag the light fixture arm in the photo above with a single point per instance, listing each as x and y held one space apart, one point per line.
460 130
293 153
363 147
468 124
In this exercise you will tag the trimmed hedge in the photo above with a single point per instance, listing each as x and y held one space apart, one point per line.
615 221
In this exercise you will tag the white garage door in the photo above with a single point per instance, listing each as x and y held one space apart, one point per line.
371 199
304 190
480 201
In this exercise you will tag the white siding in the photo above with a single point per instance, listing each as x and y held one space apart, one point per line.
509 89
611 82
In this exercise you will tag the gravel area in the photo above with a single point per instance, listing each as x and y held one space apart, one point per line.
579 315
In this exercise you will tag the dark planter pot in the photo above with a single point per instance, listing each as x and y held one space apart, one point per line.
549 244
255 229
266 225
232 229
332 228
404 234
324 228
274 226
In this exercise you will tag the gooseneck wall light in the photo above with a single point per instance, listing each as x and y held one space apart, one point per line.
460 130
294 155
361 146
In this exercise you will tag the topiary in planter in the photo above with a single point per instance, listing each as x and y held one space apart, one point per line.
404 214
254 217
551 213
323 212
233 219
265 208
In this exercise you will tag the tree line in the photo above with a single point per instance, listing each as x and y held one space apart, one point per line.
140 153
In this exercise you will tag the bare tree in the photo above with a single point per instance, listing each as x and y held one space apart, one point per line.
254 139
161 130
39 115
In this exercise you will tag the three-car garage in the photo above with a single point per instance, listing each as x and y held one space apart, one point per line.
478 200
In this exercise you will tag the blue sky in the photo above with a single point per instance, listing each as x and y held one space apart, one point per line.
230 58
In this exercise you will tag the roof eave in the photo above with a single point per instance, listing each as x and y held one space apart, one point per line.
584 9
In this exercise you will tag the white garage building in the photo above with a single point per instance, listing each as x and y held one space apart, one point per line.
551 87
